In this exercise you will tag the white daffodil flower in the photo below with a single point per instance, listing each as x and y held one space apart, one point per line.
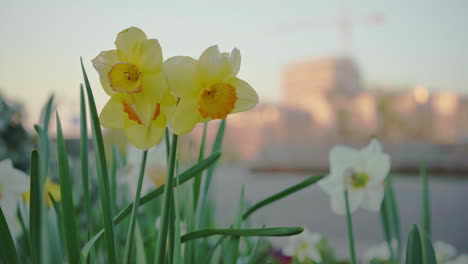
444 252
462 259
360 172
13 183
379 252
155 171
304 246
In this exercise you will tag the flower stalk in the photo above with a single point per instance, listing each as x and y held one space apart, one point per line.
162 234
136 204
349 221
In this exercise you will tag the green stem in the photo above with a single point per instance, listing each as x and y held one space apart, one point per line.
350 230
136 204
162 234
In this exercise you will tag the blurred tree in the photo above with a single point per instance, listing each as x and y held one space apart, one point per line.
15 141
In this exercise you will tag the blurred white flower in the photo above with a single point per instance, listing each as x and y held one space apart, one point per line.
462 259
361 172
379 252
304 246
13 183
155 171
444 252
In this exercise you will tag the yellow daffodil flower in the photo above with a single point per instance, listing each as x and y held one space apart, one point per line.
208 88
49 187
140 99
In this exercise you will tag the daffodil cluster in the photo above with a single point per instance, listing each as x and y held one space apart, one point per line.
147 93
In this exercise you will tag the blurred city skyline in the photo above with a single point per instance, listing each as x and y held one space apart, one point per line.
417 42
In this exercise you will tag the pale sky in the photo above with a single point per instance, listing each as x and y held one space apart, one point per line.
419 42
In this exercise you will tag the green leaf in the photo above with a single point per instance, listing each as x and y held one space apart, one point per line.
101 166
184 177
275 231
209 173
68 207
140 246
197 181
276 197
166 212
419 248
36 230
8 252
426 203
136 204
35 208
85 164
280 195
413 247
233 242
391 218
177 244
428 252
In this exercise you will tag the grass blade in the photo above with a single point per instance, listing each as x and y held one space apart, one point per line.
184 177
166 212
136 204
68 207
103 179
426 203
35 208
275 231
8 252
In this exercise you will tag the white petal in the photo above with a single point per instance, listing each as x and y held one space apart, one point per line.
332 184
341 158
378 167
373 196
338 204
373 147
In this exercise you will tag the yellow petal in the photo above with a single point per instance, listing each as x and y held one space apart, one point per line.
54 190
127 41
145 104
149 55
185 116
234 60
154 85
182 74
144 137
103 63
113 114
213 66
247 97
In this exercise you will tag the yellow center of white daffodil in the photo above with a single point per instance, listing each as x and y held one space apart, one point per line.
217 101
359 180
125 78
133 115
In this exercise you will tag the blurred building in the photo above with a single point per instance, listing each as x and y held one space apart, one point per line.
325 103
